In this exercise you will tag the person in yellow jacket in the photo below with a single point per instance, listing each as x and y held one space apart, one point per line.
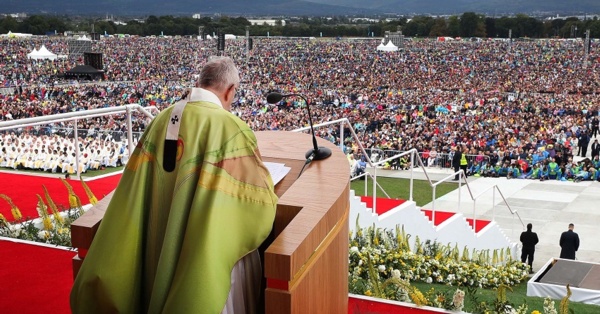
464 163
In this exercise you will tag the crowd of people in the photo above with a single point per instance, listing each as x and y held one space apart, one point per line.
518 102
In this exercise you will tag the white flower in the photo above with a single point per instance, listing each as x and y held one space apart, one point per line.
354 249
429 280
396 273
43 234
458 300
360 262
381 268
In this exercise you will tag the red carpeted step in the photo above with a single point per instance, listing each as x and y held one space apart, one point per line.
480 224
35 279
440 216
383 204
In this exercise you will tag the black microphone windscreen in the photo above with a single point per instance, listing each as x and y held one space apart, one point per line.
274 97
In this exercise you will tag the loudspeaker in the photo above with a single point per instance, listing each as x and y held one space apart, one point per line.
94 59
221 42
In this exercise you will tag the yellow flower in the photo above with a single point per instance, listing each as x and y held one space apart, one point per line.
368 293
74 201
16 213
47 223
536 312
13 208
88 192
57 217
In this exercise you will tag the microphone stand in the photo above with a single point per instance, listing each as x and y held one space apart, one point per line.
317 152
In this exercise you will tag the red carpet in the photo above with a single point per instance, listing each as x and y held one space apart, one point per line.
440 216
22 189
35 279
480 224
383 204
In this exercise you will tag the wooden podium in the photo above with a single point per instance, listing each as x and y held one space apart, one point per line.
306 256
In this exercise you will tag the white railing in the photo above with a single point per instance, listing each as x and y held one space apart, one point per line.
414 156
366 175
80 115
129 109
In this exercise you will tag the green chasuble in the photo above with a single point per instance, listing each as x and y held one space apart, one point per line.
169 240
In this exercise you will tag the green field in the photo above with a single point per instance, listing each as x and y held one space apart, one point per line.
399 188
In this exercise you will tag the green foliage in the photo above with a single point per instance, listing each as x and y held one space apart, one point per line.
479 300
466 25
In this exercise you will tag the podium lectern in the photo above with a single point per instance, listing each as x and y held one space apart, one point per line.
306 255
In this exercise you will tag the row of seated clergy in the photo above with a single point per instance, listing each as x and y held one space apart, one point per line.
43 161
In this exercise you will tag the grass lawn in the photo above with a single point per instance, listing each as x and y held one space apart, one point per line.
94 173
400 188
517 297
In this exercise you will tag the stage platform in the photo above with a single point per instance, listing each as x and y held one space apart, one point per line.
551 280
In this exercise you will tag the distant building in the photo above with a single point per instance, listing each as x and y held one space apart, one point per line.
197 16
363 20
18 15
267 22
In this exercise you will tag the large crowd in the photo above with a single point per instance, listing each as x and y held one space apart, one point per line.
529 101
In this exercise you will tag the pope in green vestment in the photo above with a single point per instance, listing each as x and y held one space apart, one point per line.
169 240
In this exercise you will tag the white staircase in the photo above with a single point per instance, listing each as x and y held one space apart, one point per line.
454 230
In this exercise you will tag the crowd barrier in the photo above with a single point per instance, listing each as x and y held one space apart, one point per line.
437 160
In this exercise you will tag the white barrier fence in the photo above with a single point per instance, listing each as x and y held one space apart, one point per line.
74 117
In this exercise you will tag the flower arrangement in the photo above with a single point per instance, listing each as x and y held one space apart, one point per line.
55 228
382 264
433 262
549 307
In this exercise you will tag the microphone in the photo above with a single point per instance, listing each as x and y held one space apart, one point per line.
317 152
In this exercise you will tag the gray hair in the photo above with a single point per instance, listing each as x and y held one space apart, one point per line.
219 73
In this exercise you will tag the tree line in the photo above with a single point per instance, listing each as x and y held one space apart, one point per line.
468 24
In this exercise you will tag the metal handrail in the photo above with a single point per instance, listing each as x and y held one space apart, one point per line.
84 114
414 156
366 175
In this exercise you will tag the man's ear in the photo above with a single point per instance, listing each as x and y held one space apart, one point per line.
227 96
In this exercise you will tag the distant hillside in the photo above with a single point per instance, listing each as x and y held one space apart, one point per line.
294 7
176 7
460 6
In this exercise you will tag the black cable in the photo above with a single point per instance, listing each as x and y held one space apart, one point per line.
308 161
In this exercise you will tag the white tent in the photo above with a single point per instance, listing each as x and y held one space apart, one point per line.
389 47
32 54
84 38
42 54
15 35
